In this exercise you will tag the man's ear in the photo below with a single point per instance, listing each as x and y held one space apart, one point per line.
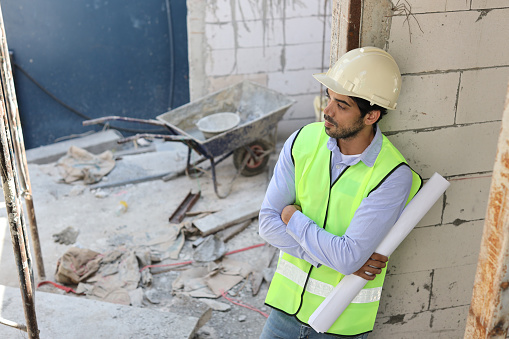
372 117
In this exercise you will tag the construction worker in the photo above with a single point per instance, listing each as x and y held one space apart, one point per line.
337 189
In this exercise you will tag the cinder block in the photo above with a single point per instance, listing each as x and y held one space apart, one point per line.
260 59
428 248
220 62
450 322
452 286
260 33
296 9
303 107
295 82
217 11
487 4
303 56
405 293
461 40
404 326
425 101
441 324
450 151
304 30
245 10
220 35
219 83
482 95
416 6
467 198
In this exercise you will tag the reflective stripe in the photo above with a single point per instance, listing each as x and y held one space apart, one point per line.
298 276
292 272
368 295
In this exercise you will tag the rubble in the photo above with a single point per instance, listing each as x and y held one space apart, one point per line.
157 267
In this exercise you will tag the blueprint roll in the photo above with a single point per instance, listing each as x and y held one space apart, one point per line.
348 288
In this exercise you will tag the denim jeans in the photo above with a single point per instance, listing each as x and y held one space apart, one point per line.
282 326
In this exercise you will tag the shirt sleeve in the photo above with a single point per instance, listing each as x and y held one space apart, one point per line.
280 193
373 219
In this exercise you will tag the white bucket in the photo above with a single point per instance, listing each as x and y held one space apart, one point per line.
217 123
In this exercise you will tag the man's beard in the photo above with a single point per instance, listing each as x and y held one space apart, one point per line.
344 133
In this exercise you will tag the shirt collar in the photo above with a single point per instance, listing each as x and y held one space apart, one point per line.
368 156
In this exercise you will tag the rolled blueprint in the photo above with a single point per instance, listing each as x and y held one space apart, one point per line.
348 288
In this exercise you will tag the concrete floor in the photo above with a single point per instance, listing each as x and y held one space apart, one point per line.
59 206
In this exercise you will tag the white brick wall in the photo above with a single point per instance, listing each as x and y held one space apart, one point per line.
244 39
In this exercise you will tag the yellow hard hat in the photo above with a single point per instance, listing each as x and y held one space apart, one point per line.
369 73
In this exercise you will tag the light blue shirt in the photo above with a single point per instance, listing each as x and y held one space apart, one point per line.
303 239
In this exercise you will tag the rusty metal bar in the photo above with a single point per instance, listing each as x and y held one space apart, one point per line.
16 223
119 118
346 27
10 186
13 324
186 204
488 316
154 136
18 145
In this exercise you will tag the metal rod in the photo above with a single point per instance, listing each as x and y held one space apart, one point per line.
186 204
13 324
19 146
488 316
154 136
119 118
16 223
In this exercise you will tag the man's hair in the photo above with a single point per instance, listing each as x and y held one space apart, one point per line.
365 107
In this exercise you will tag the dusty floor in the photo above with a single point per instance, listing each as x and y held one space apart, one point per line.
93 214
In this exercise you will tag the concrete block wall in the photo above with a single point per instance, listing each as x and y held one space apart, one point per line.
455 76
278 44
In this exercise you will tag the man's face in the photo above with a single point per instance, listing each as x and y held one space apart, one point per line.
342 116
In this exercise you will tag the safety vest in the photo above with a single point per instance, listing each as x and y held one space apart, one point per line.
297 287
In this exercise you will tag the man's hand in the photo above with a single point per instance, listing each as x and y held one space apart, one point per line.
372 267
288 211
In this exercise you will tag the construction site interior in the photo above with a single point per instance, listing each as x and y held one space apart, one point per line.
111 234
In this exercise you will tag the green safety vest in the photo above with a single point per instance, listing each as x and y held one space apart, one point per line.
298 288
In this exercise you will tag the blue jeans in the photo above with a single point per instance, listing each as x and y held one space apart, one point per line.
282 326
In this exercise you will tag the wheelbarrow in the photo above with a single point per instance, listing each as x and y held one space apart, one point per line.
250 142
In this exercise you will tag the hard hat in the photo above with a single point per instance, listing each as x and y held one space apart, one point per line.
369 73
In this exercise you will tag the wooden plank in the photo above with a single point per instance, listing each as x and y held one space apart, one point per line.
227 217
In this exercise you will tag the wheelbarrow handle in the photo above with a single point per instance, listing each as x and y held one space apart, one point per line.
154 136
116 117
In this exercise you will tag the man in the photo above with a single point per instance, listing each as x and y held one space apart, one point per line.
338 188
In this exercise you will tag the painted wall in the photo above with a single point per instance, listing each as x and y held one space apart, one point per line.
454 58
99 57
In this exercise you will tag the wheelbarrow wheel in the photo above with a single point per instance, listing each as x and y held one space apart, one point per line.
252 166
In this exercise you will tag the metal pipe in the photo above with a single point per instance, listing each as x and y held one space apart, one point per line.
18 145
488 316
11 190
16 223
119 118
13 324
